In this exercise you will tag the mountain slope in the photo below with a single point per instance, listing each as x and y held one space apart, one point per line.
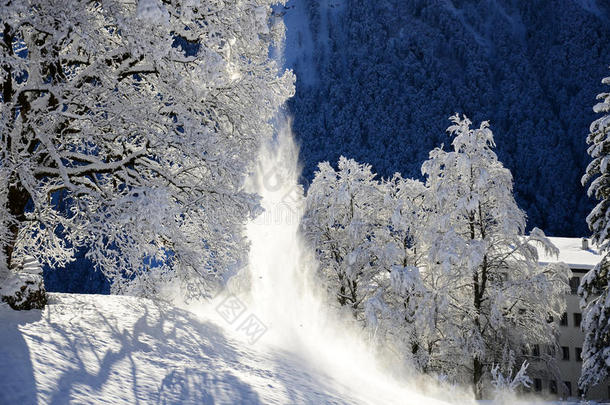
380 78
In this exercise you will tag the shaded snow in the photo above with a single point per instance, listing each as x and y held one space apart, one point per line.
307 42
299 43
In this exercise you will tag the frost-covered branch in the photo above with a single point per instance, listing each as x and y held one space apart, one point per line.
148 139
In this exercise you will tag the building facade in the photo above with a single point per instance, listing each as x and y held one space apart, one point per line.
560 380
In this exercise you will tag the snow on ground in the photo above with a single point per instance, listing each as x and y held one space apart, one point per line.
111 349
299 46
302 45
115 349
98 349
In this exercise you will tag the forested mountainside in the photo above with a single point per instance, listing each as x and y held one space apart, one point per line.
377 80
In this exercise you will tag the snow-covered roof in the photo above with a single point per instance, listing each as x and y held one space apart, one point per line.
572 253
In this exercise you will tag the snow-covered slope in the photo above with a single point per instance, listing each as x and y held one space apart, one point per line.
114 349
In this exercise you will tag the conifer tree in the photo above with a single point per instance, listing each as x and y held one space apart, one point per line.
594 286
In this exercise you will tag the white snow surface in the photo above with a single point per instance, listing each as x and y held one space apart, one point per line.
108 349
86 349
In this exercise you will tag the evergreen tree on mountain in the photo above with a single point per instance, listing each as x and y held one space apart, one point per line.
388 72
595 285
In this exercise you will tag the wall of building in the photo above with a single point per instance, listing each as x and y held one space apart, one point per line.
562 381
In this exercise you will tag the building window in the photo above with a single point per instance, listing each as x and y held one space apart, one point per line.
581 393
564 319
550 350
577 319
553 386
578 354
574 283
568 385
537 384
565 353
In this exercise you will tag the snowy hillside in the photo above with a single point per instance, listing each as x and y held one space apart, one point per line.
116 349
101 349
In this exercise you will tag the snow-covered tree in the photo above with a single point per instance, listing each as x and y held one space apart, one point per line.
128 127
406 219
597 171
394 313
341 216
491 297
367 237
508 384
594 286
440 272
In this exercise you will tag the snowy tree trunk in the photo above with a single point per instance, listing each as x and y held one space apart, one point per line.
479 291
23 285
17 201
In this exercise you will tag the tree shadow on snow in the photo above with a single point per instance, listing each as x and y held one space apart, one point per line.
17 383
166 356
123 350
